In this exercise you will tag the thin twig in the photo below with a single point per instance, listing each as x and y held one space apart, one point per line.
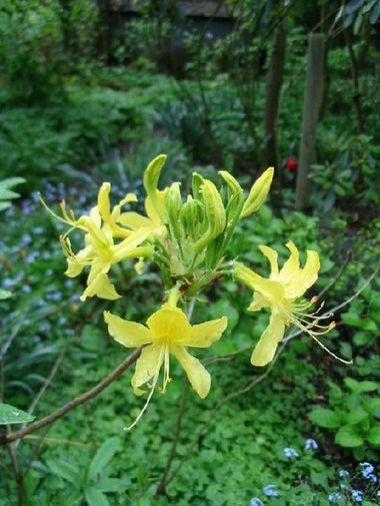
161 489
93 392
18 478
45 385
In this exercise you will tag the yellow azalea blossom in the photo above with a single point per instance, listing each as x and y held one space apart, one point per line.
167 331
151 222
115 217
101 226
100 254
279 293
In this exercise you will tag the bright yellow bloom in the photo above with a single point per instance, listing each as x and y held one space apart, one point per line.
151 222
100 254
279 293
101 226
167 331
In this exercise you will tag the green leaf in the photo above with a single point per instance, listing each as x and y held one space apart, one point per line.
352 319
373 407
111 485
10 414
374 436
4 294
103 456
356 416
361 387
325 418
66 471
95 497
348 437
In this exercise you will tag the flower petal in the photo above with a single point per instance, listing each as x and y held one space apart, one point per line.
127 333
204 334
74 268
104 202
272 256
291 266
265 349
134 220
148 365
306 277
198 376
270 289
102 287
169 322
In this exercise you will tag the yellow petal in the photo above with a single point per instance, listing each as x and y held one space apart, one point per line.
127 333
198 376
104 202
291 266
134 220
126 247
258 302
204 334
270 290
102 287
148 365
272 256
74 268
306 277
169 322
265 349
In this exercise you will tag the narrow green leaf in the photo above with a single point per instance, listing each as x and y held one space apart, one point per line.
95 497
10 415
103 456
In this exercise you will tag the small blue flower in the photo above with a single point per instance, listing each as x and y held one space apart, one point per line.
271 491
343 486
343 474
367 469
311 444
357 495
290 453
372 477
367 465
334 497
255 501
378 494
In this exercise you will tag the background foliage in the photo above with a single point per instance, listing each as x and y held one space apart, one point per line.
78 109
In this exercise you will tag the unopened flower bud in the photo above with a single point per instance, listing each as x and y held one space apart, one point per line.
258 193
151 177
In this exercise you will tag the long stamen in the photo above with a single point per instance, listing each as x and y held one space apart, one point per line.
152 388
298 323
146 403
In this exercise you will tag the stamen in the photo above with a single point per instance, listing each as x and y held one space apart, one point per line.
146 403
152 388
313 336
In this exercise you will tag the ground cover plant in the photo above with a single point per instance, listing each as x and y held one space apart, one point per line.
283 420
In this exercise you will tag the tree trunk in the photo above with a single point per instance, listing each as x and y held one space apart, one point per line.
274 83
311 110
355 81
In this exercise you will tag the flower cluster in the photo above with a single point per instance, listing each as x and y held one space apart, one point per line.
186 238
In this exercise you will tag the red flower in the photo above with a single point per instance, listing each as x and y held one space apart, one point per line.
291 163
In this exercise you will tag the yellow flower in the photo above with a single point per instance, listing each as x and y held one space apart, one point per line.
100 254
167 331
279 293
101 226
151 222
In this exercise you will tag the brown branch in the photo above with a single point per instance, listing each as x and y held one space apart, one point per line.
93 392
161 489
